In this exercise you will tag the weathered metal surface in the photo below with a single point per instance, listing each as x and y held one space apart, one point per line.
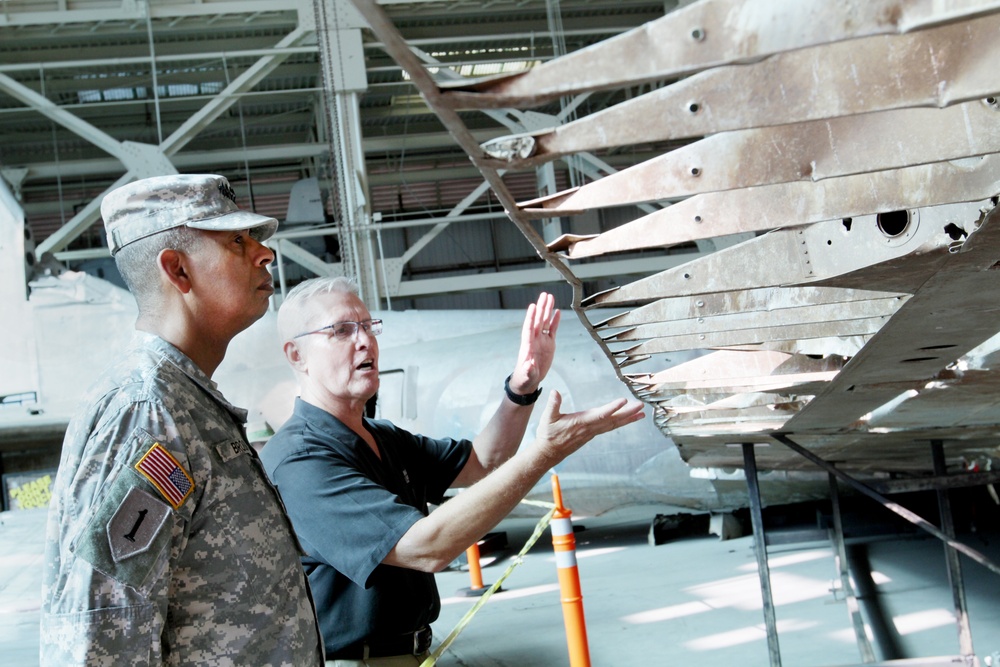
970 401
742 322
813 253
862 318
715 338
708 34
906 349
951 406
728 388
805 151
928 68
738 301
727 366
774 206
867 259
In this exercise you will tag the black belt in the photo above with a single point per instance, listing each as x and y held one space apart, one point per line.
410 643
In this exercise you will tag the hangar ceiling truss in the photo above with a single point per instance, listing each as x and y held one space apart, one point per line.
94 93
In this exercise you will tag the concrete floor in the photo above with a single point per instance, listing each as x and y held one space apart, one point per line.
694 601
22 539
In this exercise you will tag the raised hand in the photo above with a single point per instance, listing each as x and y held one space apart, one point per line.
538 345
559 435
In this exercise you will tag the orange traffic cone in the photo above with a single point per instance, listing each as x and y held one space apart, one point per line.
476 587
564 545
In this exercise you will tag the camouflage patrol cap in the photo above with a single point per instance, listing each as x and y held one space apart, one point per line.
153 205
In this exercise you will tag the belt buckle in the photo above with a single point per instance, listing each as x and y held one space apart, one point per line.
421 640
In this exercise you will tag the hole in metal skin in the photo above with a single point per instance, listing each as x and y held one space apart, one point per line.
954 231
893 223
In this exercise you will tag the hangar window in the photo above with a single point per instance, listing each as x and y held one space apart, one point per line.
141 93
456 58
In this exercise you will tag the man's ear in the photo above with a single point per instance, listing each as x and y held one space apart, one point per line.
293 353
173 266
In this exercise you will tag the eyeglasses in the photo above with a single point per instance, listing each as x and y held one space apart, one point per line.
346 330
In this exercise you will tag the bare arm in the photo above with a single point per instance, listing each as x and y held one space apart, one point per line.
496 443
434 541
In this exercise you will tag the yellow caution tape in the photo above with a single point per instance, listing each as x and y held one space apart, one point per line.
517 560
539 503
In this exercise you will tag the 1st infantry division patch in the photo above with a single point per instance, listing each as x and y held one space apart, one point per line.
166 474
136 524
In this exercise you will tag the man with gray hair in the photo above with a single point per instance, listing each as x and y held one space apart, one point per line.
166 543
357 489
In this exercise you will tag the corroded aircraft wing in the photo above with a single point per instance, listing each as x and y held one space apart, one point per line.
853 152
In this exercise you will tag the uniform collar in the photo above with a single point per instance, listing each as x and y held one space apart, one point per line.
161 347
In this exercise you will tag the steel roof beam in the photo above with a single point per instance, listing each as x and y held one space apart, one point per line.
230 95
135 11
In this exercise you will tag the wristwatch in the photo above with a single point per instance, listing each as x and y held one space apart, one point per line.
520 399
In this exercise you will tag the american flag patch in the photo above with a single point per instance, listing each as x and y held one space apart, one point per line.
166 474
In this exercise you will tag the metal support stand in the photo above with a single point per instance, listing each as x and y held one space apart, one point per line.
912 517
864 645
951 557
760 547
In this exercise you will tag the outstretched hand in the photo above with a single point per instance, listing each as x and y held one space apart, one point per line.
562 434
538 345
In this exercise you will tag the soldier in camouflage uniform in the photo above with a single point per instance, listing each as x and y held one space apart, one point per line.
166 543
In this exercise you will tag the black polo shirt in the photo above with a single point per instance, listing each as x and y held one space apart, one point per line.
349 510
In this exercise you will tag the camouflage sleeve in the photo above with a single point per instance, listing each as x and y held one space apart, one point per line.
116 636
108 552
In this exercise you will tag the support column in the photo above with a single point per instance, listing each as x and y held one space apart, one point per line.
338 33
864 645
951 557
912 517
760 547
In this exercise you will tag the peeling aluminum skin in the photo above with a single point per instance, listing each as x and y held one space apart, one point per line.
837 166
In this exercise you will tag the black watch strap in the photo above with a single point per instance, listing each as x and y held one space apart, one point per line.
520 399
